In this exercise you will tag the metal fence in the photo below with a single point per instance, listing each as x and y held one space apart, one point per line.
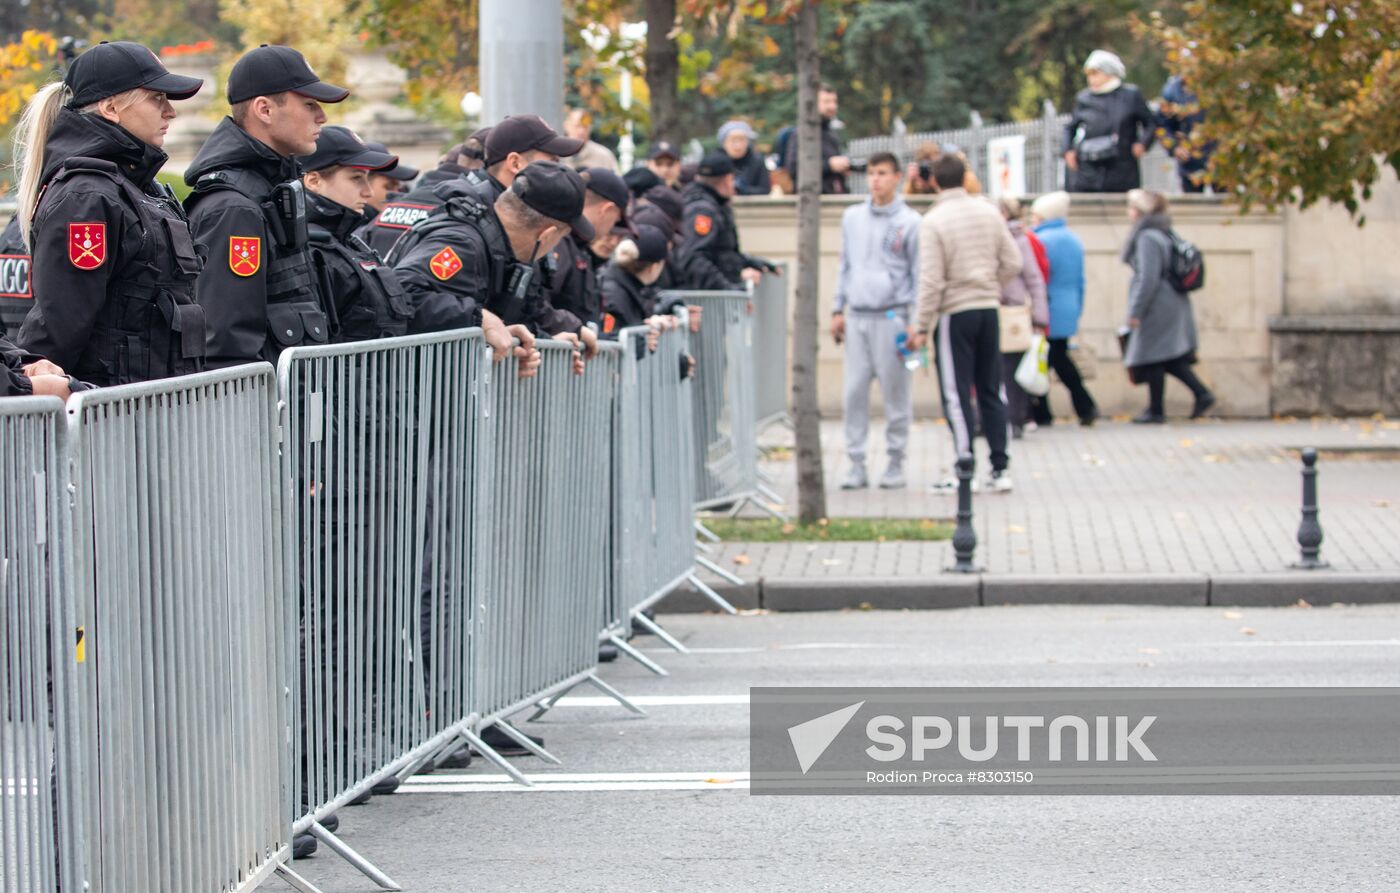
1044 164
770 349
176 584
382 461
30 504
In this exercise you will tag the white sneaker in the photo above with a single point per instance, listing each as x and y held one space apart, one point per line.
893 478
949 486
999 482
855 479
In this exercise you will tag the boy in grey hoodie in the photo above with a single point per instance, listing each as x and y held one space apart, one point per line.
875 296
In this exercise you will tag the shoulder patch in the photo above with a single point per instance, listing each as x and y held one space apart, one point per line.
244 254
703 224
87 245
609 323
445 264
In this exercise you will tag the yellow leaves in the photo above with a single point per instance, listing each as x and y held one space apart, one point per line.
23 65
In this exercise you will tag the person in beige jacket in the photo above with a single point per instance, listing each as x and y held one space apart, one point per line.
966 255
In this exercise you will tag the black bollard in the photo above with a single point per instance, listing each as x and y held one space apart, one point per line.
964 537
1309 530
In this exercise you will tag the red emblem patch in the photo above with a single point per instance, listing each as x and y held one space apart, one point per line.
87 245
445 264
244 255
609 323
703 225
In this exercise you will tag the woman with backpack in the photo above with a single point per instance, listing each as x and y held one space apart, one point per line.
1161 325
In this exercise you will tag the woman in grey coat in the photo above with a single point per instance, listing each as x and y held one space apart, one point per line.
1163 328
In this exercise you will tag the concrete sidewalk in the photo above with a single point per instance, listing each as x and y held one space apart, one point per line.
1187 513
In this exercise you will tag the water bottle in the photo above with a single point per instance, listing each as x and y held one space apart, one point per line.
901 344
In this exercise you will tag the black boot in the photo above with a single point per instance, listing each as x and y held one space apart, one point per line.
303 846
1204 401
505 745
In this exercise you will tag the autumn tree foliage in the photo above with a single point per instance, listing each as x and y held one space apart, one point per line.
1299 98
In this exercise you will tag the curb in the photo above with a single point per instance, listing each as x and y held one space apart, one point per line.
983 590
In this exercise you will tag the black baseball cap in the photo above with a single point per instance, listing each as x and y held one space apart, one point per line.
668 200
651 215
652 244
522 133
715 164
120 65
640 179
555 191
342 146
399 171
663 148
601 181
270 70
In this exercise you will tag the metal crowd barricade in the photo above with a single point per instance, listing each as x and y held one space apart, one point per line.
770 350
383 466
653 544
543 592
174 569
30 503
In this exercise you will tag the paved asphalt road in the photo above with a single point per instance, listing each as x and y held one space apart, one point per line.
648 805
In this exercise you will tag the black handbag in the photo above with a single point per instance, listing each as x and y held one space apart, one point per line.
1098 149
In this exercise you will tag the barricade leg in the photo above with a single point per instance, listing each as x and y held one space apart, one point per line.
490 754
296 881
718 571
709 593
523 740
655 629
363 865
706 532
627 649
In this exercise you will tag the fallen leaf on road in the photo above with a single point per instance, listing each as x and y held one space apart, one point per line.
1302 603
752 612
719 781
1015 528
1187 443
1233 615
1248 631
866 606
1382 503
742 559
1149 651
1214 458
831 562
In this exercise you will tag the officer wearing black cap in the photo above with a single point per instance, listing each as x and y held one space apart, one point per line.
386 185
571 269
419 203
470 256
629 281
708 255
248 210
518 141
665 161
361 295
113 261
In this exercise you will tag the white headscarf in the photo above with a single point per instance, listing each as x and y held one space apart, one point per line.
1108 63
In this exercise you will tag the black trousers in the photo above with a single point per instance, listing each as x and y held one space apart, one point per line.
968 346
1154 375
1064 367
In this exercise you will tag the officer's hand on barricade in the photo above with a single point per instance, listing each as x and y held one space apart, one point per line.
590 342
694 311
751 274
498 338
43 367
653 334
527 355
50 385
573 340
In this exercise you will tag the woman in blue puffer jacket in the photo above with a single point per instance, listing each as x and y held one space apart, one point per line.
1066 293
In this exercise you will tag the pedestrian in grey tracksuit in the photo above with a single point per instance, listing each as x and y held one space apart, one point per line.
874 298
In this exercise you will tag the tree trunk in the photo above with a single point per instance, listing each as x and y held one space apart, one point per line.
806 411
662 59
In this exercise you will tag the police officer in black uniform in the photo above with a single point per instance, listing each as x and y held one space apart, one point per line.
628 282
472 257
400 213
361 294
388 184
519 141
113 262
248 210
708 256
571 268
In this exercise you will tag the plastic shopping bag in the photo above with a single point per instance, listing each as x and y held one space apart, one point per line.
1033 372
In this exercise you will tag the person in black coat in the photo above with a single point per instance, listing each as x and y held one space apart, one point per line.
257 289
628 282
361 294
113 263
750 172
708 257
1110 129
571 269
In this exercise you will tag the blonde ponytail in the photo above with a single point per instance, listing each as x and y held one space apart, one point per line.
30 139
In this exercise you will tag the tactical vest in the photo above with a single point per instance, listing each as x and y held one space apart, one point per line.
150 326
383 309
295 315
504 271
